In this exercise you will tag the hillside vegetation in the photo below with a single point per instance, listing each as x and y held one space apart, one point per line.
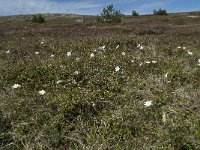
132 85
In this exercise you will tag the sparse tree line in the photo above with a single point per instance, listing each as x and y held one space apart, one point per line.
108 15
38 19
111 15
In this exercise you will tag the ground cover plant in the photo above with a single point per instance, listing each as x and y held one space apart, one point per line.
133 85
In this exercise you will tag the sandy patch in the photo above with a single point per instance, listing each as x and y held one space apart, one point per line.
192 16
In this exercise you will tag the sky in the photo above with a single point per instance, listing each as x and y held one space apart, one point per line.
94 7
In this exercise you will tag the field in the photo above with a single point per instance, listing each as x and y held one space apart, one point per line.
132 85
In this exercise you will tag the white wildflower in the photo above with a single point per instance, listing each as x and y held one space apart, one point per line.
117 68
36 53
189 53
154 61
52 56
199 61
132 61
147 62
102 47
42 92
148 103
15 86
91 55
141 47
59 81
184 48
123 53
138 45
42 42
7 52
76 72
69 53
140 64
166 75
179 47
117 47
77 59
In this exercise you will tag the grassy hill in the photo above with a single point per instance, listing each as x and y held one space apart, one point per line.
68 85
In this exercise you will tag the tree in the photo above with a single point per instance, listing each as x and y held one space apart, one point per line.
41 19
135 13
38 19
110 15
34 19
160 12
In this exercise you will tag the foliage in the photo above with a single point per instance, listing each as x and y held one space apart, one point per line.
160 12
38 19
110 15
135 13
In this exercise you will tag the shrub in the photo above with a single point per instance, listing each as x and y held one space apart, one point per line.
38 19
160 12
135 13
110 15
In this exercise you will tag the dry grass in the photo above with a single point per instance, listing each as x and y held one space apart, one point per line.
99 107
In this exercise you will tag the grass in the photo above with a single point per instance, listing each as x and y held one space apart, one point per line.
95 106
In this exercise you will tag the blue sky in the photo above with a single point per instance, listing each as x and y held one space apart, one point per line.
93 7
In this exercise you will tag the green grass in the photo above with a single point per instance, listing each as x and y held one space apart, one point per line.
100 108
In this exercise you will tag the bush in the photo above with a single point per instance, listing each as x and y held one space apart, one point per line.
135 13
110 15
160 12
38 19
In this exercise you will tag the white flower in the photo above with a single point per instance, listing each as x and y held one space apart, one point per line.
15 86
199 61
189 53
154 61
138 45
141 47
52 55
117 47
102 47
132 61
42 42
179 47
140 64
148 103
117 68
76 72
123 53
69 53
166 75
42 92
184 47
59 81
77 59
36 53
91 55
7 52
147 62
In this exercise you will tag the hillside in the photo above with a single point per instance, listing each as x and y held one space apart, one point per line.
68 85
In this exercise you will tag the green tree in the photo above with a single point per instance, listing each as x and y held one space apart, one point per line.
160 12
110 15
34 19
38 19
135 13
41 19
